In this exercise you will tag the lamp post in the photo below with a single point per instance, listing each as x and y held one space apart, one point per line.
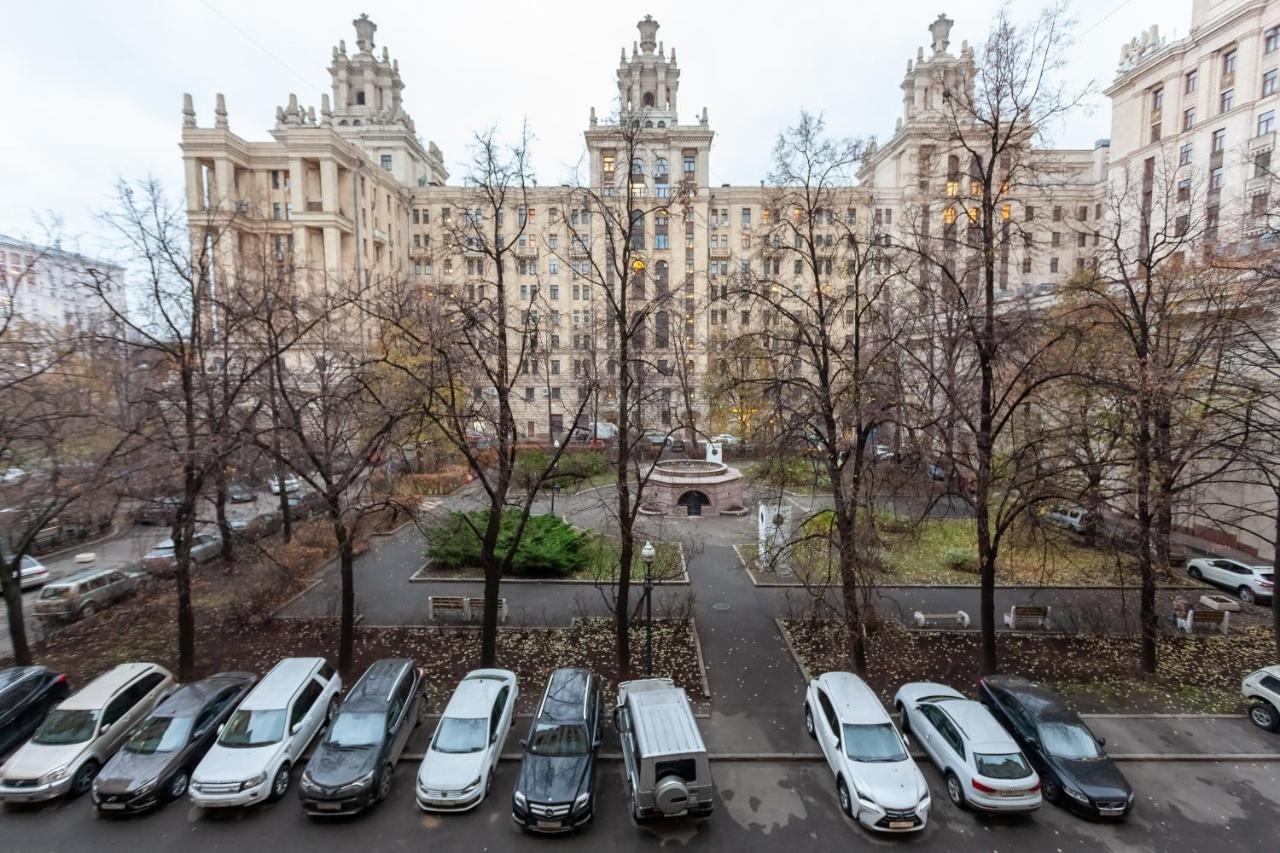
555 487
647 553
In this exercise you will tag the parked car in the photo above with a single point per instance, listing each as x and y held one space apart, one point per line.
1249 583
726 439
267 734
353 766
463 754
1075 519
306 505
877 783
664 758
1074 769
291 484
980 763
31 573
238 493
204 547
154 766
657 439
882 453
256 526
676 445
1262 689
13 475
160 510
555 791
81 595
26 695
82 732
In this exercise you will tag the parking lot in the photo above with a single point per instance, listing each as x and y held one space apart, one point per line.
1184 806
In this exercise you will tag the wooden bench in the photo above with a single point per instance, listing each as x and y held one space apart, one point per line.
470 609
959 619
1021 616
1205 621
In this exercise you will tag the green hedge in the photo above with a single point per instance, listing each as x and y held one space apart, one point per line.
548 546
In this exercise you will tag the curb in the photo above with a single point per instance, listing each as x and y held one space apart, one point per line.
702 663
275 614
791 650
1205 757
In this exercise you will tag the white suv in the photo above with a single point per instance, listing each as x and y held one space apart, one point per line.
81 733
1249 583
980 763
267 734
1263 689
877 782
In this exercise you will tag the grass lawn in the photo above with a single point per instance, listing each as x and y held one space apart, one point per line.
922 553
1097 673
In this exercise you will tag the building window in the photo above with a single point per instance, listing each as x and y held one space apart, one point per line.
1053 265
386 162
277 210
1184 154
1055 239
953 188
275 179
690 164
1220 139
1157 101
1228 63
1271 40
1191 81
1269 80
949 215
1188 118
1080 238
1266 122
1031 213
1262 164
1227 100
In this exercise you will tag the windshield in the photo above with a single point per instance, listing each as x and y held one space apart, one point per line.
356 728
1068 740
556 740
253 728
159 734
456 734
55 592
1011 766
878 742
64 726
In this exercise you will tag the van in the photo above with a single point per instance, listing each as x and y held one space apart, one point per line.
664 759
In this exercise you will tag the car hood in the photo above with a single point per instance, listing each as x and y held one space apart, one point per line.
127 770
333 766
548 779
892 784
33 760
450 771
234 764
1097 778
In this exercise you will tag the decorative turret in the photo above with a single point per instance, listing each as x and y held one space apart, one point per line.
648 81
367 88
934 73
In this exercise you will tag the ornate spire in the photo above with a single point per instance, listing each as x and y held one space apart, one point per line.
220 112
188 110
365 29
648 30
941 32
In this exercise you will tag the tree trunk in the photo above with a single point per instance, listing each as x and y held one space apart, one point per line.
492 587
183 532
220 510
1147 618
13 608
347 618
1275 562
286 512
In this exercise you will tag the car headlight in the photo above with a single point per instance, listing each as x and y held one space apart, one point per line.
866 798
254 782
1075 794
581 802
472 785
145 787
520 800
55 774
309 784
359 784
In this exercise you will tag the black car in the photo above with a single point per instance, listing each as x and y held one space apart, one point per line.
352 767
154 766
556 788
1074 770
156 510
239 494
26 695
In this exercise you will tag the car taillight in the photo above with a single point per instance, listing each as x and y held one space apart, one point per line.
1036 787
62 677
1265 583
985 789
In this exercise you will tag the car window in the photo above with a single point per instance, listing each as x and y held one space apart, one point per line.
303 703
495 718
930 713
146 684
253 728
65 726
213 708
833 723
1068 740
1004 766
326 672
159 734
1271 683
951 735
460 734
559 740
117 708
401 697
16 695
873 743
356 728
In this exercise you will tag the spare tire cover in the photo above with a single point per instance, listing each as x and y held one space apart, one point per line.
671 795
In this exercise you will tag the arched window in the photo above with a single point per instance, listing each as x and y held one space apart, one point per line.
637 166
662 124
360 98
660 168
648 99
343 122
660 279
355 122
648 124
637 229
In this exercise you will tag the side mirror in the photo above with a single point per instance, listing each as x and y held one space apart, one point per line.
293 730
1102 741
221 727
524 743
906 741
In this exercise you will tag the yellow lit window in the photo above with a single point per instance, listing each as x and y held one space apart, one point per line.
949 215
953 188
973 214
975 188
1006 212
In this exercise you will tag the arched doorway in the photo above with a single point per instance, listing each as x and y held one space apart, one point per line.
693 501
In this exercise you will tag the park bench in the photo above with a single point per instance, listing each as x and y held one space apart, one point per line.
1205 621
959 619
1022 616
468 608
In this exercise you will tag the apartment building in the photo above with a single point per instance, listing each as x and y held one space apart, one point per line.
44 287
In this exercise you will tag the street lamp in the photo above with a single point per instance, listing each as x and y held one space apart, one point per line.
555 487
647 553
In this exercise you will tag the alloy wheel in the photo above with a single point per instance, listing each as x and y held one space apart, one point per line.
384 783
1264 716
846 803
954 791
1246 595
280 784
84 777
178 784
1050 789
808 723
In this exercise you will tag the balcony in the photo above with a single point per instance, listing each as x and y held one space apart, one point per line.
1262 142
1257 186
719 252
526 250
379 235
315 206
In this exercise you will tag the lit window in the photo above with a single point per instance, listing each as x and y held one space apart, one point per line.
949 215
953 188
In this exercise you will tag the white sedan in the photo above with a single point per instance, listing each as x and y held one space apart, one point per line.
980 763
1249 583
877 782
463 755
291 484
32 573
727 439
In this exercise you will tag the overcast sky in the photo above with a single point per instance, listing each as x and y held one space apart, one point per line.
96 88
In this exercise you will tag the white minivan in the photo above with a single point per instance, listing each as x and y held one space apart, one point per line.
82 732
267 734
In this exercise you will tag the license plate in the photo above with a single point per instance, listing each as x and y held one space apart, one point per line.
110 805
900 824
328 807
1013 793
548 824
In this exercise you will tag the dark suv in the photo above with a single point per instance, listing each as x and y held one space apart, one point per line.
26 695
556 788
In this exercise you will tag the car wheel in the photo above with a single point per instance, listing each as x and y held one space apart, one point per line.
178 784
955 791
1194 573
384 782
1264 715
84 777
808 722
1245 594
279 783
88 610
1050 789
635 808
846 802
904 723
